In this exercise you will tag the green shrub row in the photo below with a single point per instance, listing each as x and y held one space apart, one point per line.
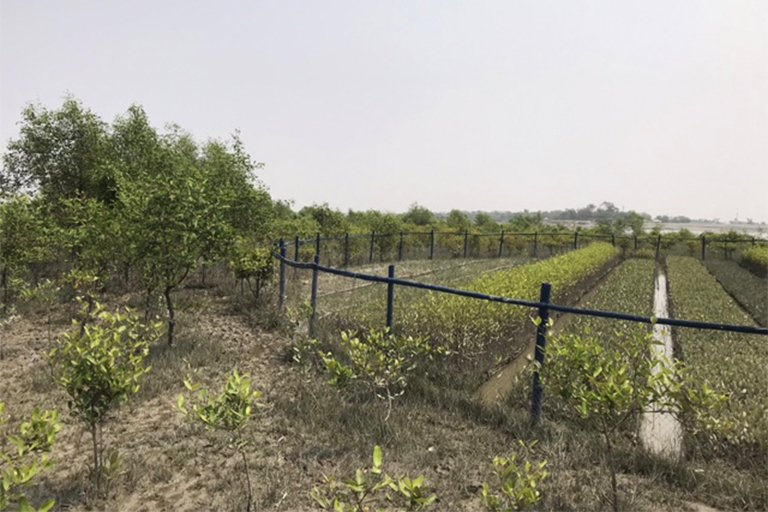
756 260
733 363
748 289
467 325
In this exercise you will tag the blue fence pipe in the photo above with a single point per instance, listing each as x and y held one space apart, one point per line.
313 297
541 347
373 241
432 244
391 299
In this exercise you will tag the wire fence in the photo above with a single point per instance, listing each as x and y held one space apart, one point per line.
544 305
350 250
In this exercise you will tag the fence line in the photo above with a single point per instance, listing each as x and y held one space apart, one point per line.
544 306
656 242
316 266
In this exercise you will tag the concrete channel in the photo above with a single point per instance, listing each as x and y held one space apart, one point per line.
660 432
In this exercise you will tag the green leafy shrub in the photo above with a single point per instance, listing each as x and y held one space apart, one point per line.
379 361
251 265
519 482
372 486
228 412
601 386
99 364
24 456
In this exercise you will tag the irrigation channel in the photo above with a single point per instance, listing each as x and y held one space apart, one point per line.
660 431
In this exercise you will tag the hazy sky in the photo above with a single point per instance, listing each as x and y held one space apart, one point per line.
658 106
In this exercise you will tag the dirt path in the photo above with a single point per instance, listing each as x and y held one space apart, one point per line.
660 432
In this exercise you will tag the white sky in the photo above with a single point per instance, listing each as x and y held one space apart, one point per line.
658 106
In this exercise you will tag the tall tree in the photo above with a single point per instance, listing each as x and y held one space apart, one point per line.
60 153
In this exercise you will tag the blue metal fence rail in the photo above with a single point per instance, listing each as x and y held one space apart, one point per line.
544 307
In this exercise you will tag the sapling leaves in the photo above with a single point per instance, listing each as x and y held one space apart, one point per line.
370 487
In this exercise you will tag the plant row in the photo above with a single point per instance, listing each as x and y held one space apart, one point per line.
628 289
466 326
732 363
749 290
756 260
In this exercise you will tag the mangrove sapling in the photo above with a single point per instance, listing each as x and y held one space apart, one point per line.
99 364
25 455
371 486
379 361
519 482
604 387
229 412
251 265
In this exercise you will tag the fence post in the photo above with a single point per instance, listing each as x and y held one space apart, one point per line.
281 294
541 347
753 241
313 298
635 240
400 248
576 240
317 244
613 239
703 247
346 249
466 243
391 300
373 241
432 244
501 243
296 245
658 246
535 244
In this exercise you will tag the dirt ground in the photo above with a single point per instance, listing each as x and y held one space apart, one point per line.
303 430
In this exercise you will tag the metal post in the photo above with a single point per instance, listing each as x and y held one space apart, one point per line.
281 294
703 247
432 244
658 246
535 244
635 240
373 241
391 300
317 244
576 240
400 248
613 240
501 243
541 347
466 243
346 249
296 245
313 297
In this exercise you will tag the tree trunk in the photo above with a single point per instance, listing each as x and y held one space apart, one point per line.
612 470
171 314
96 463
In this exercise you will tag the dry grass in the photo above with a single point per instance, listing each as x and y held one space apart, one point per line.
306 429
